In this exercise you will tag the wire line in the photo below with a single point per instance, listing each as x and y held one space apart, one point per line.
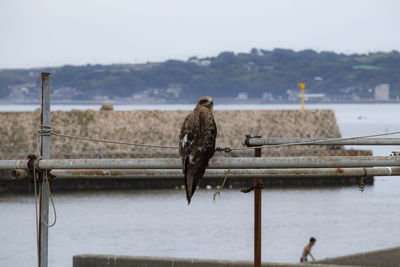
111 141
223 149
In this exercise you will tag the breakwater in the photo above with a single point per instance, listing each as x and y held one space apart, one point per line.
125 261
386 257
17 133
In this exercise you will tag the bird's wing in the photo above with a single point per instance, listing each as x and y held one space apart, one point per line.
187 134
209 131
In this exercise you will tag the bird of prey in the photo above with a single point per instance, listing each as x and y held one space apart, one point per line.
197 143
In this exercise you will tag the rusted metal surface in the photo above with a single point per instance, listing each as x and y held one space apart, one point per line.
13 164
217 173
254 141
30 172
258 186
257 222
19 174
215 163
223 163
339 170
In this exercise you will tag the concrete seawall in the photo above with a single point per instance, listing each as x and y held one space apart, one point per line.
385 257
127 261
162 128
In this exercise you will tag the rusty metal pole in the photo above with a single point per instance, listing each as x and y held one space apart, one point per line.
258 186
43 184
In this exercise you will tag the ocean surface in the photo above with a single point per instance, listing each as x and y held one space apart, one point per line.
160 223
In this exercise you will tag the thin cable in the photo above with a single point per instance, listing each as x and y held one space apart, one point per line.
318 141
111 141
225 149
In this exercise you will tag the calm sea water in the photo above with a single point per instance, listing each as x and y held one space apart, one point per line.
159 223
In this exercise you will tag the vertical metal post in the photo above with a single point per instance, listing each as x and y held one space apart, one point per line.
258 186
43 185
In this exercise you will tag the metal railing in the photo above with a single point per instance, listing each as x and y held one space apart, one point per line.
322 141
215 163
216 173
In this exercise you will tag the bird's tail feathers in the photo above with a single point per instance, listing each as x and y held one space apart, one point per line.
192 185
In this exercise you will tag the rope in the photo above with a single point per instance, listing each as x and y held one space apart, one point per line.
43 131
219 189
52 202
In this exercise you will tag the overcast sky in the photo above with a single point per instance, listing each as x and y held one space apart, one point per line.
38 33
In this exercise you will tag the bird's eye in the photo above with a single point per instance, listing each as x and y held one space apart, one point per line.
202 102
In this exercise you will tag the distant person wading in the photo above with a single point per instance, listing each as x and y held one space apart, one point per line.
307 250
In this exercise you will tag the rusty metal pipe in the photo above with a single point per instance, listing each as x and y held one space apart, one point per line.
217 173
258 186
215 163
223 163
13 164
19 174
323 141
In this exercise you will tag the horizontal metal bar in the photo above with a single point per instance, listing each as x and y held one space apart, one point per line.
223 163
324 141
217 173
215 163
13 164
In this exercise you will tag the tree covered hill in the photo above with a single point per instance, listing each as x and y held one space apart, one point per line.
257 73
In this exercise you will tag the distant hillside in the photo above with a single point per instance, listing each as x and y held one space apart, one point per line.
258 74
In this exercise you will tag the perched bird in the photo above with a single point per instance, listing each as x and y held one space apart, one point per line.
197 143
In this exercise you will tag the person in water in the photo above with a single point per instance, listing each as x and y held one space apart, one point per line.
307 250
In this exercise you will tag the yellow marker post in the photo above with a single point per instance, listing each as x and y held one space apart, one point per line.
302 85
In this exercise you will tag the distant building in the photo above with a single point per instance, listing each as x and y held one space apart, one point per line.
204 62
242 96
313 97
293 95
174 90
250 66
117 70
382 92
267 96
200 62
194 60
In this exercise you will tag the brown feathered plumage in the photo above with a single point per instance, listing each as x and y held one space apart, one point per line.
197 143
